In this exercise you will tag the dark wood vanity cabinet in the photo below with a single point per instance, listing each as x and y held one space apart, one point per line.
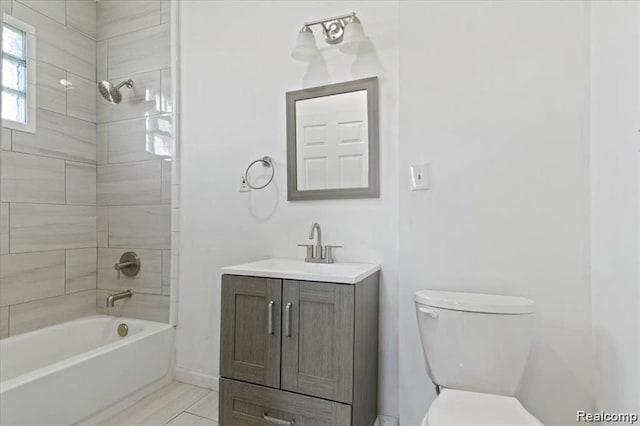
298 352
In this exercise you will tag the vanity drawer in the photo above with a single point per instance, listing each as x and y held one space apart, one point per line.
246 404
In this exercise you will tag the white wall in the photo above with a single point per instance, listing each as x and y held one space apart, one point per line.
615 210
494 95
235 70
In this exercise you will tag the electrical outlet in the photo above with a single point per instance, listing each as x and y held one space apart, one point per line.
419 177
243 183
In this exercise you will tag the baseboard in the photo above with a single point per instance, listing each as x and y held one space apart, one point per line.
386 421
196 378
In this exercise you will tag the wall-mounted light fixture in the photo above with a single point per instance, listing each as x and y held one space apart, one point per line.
345 28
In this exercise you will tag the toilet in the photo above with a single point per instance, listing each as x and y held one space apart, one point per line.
476 347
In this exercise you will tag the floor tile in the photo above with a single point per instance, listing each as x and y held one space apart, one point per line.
206 407
161 406
187 419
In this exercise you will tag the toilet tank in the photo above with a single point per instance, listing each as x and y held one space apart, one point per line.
475 342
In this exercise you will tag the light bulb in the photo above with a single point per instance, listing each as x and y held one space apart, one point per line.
354 36
305 46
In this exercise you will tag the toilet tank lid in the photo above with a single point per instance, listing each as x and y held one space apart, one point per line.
475 302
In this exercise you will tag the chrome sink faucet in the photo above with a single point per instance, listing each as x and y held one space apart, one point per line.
317 250
317 253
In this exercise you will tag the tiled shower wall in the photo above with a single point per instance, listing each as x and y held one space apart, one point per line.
48 179
134 155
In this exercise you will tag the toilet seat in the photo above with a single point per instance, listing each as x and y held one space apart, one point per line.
457 407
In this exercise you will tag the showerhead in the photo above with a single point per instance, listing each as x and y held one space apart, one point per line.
111 92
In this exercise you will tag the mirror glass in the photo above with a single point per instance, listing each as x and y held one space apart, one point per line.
332 141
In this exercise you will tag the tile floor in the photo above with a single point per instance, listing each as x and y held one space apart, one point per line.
177 404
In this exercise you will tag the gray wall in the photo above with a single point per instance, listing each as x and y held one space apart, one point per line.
134 155
48 191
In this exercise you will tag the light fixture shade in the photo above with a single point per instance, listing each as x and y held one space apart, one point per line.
305 46
354 37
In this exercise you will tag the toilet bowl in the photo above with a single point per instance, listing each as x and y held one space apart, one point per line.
476 347
455 407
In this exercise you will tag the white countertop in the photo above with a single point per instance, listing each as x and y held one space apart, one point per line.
294 269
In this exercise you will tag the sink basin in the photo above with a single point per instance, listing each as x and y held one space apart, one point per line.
292 269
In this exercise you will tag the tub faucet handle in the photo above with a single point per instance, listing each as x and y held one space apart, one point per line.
129 264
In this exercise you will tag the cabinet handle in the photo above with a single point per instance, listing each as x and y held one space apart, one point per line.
279 421
287 320
270 312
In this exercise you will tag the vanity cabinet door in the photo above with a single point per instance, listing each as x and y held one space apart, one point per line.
250 329
317 342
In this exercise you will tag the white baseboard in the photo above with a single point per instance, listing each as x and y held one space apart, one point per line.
196 378
386 421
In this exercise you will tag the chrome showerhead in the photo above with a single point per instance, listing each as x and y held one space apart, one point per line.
111 92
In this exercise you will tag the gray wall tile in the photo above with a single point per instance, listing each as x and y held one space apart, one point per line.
31 276
166 272
165 10
6 139
102 141
54 9
101 60
42 313
140 101
81 98
6 6
140 139
4 228
144 50
50 93
38 227
59 136
166 182
31 178
166 94
129 183
81 183
58 45
81 15
148 280
117 17
103 226
81 270
4 322
151 307
140 226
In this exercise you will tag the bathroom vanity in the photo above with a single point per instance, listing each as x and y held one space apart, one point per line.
299 344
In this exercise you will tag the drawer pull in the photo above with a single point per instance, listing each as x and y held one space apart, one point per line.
287 320
279 421
270 319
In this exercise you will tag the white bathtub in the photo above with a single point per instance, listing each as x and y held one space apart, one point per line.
68 372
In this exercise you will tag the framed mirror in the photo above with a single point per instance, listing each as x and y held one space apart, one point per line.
332 141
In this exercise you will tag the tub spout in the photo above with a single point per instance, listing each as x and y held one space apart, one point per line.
111 299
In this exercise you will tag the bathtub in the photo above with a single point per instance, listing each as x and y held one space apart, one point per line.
69 372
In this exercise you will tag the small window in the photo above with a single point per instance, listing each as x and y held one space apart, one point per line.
18 75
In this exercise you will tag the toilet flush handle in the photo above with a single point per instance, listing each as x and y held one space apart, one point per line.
433 314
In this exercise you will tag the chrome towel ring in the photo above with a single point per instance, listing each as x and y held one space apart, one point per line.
266 162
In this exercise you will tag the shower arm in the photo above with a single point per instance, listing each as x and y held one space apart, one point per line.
128 83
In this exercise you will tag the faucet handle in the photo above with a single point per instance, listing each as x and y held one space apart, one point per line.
328 252
309 251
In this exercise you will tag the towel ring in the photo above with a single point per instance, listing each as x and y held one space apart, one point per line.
266 162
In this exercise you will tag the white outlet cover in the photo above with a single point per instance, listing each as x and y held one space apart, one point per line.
419 177
243 183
